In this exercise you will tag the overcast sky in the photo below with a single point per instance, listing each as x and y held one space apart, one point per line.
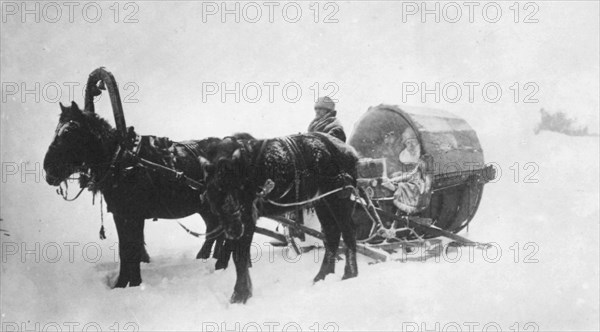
369 53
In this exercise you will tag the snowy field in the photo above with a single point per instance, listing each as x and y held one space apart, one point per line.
542 272
542 214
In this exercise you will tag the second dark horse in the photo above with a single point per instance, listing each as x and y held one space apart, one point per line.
298 168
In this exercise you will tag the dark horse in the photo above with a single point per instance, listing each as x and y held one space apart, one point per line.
240 175
85 143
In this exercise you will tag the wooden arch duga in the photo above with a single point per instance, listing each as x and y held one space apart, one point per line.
101 79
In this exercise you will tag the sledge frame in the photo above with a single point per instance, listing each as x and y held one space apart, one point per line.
388 242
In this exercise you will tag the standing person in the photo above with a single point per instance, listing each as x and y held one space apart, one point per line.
325 120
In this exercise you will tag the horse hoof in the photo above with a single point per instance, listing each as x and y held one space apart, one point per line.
204 252
135 283
221 264
121 284
349 275
319 277
350 271
238 297
203 255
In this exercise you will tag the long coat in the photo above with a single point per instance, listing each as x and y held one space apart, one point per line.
328 124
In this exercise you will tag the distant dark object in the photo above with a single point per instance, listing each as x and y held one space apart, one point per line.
6 233
559 122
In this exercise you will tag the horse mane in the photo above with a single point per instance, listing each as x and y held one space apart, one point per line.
99 127
104 133
243 136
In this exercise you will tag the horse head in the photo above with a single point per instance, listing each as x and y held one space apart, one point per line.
226 176
77 144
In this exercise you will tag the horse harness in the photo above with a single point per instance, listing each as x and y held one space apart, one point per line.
298 164
299 167
128 151
168 159
299 173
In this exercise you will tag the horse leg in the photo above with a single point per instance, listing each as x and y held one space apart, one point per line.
204 252
241 257
346 224
332 240
144 255
131 250
211 224
223 250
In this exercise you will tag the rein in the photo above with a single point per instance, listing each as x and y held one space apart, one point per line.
208 235
314 199
269 184
65 193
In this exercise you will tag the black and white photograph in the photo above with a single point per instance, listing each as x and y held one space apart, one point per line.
301 165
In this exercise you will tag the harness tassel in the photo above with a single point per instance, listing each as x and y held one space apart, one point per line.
101 233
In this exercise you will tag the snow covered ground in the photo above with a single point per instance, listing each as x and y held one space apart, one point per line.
542 272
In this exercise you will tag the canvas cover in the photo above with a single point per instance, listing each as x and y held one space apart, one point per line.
449 140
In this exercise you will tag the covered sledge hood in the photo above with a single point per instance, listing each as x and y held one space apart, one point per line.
454 157
448 139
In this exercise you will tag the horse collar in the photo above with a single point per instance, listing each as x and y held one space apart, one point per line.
121 150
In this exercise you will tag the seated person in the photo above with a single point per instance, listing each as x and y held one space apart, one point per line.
411 185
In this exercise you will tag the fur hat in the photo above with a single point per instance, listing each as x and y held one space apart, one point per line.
326 103
408 134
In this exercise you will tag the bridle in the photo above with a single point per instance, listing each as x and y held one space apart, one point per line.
90 183
61 127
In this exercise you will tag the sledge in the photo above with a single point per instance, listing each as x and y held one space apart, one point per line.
455 163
